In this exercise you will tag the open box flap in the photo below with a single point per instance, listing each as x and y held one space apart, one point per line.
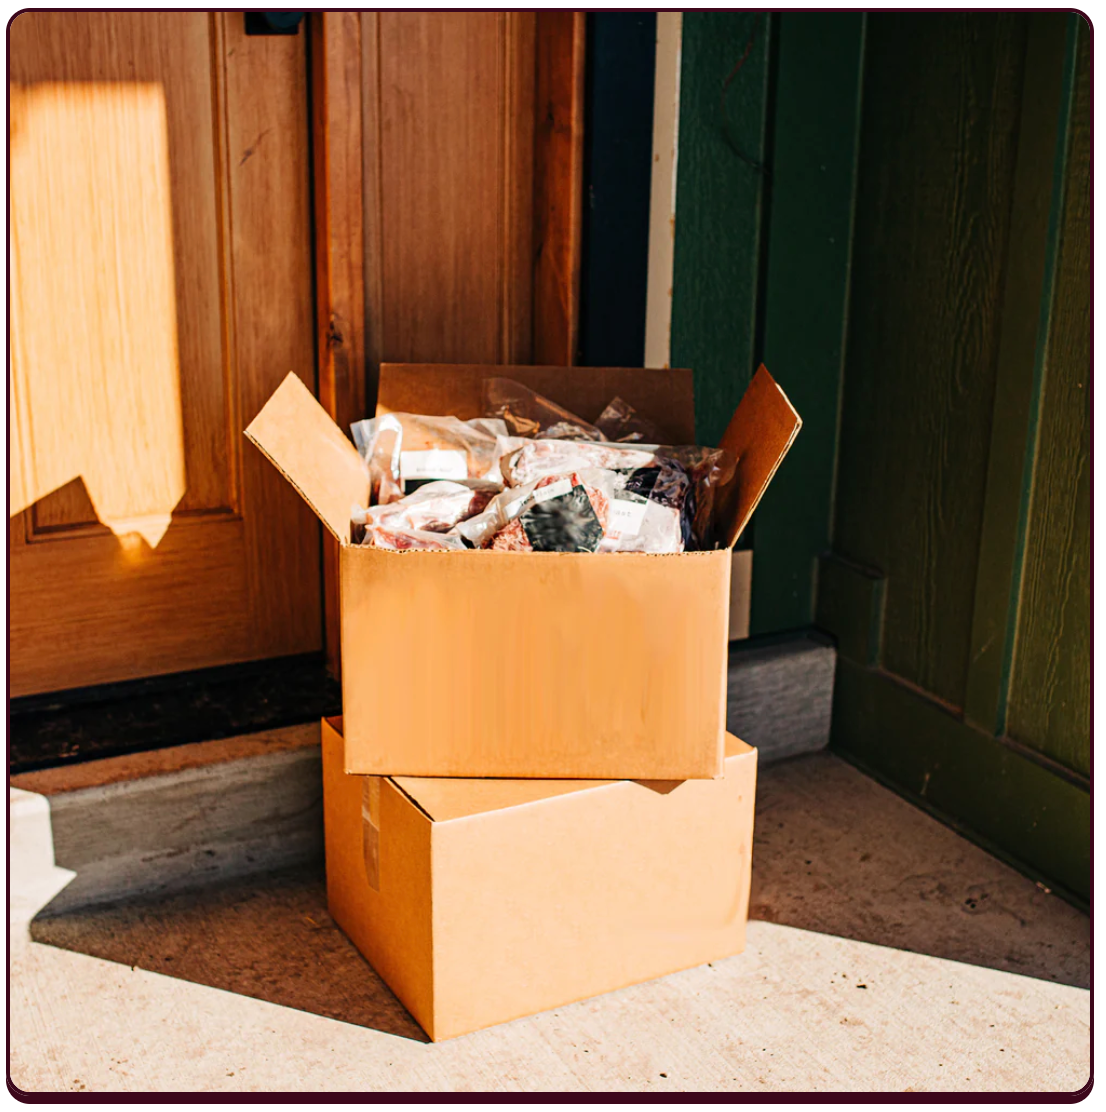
299 438
759 435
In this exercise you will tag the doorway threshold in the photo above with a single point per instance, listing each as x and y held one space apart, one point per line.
112 720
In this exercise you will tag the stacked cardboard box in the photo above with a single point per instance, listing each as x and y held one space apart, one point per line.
531 797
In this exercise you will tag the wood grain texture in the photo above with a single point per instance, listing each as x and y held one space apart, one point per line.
448 114
938 142
186 287
93 68
1051 683
716 260
337 145
1027 282
815 144
558 185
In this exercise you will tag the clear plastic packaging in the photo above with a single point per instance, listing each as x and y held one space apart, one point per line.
623 424
563 513
572 522
706 468
406 449
536 458
652 510
435 507
528 414
409 540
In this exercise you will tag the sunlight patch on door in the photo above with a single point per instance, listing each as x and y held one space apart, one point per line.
95 387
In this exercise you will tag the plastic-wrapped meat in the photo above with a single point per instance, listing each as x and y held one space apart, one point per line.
652 510
564 514
537 458
435 508
406 540
405 449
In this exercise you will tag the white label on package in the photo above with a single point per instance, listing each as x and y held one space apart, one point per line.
434 463
625 519
553 490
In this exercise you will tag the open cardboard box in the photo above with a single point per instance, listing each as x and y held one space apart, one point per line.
480 901
532 664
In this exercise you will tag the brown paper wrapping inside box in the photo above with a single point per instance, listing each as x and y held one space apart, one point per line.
530 664
479 901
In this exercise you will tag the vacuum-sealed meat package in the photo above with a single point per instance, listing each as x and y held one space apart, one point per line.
526 413
536 458
556 513
404 450
652 510
407 540
434 508
681 478
563 514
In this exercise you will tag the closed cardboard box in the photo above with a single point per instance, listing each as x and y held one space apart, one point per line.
480 901
532 664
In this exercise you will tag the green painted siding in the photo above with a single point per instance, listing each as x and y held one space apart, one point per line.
958 582
815 129
1050 691
718 216
938 142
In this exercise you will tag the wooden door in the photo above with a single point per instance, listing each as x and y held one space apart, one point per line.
160 289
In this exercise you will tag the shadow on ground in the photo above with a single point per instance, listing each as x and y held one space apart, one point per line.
834 852
267 937
837 853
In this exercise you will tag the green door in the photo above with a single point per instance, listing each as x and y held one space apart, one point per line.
958 581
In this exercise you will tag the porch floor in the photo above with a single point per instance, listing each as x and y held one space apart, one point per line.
885 953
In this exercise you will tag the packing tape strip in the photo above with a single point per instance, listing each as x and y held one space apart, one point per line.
370 829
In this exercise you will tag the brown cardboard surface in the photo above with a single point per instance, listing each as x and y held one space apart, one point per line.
535 664
761 431
566 893
301 440
664 396
530 665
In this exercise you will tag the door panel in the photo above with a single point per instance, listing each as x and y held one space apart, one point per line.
958 585
161 288
449 112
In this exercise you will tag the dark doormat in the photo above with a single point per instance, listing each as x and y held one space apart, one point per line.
84 724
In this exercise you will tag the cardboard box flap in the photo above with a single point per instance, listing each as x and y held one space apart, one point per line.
665 396
759 435
299 438
444 799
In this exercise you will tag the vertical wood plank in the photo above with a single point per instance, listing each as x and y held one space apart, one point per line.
662 193
337 143
816 139
1032 249
267 141
942 102
558 185
720 187
372 203
1051 679
517 102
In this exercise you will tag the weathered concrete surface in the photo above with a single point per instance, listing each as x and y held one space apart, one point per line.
250 987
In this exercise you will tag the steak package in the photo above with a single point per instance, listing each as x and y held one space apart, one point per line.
404 450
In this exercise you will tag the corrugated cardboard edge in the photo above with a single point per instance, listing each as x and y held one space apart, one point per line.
299 438
759 435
